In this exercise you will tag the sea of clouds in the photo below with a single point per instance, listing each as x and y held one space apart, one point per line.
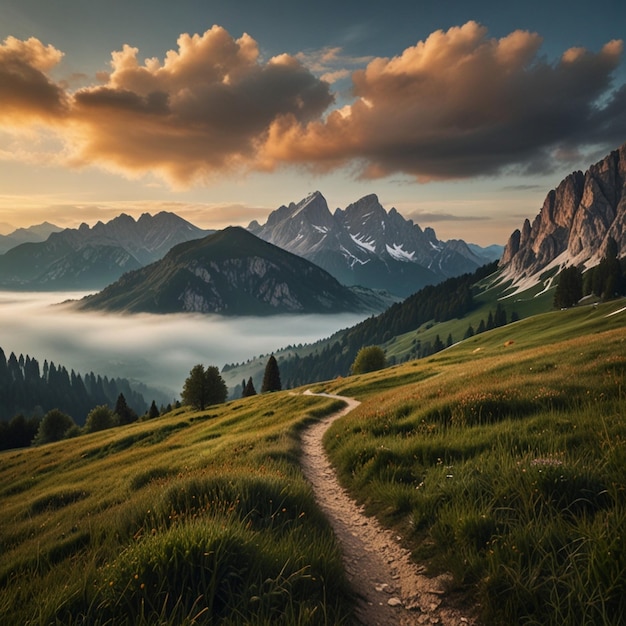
158 350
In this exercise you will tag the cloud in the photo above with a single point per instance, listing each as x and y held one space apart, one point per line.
158 350
457 105
205 109
27 94
460 104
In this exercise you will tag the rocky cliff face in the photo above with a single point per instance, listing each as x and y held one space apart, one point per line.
575 223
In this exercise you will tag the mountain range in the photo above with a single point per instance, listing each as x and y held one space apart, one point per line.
34 234
232 272
91 258
364 244
574 226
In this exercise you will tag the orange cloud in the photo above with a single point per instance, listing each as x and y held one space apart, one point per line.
27 95
206 108
456 105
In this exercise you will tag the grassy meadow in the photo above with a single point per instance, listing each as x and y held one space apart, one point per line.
501 459
504 462
193 518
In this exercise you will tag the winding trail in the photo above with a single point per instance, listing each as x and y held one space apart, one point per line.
391 589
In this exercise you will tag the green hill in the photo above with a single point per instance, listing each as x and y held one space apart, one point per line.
231 272
501 459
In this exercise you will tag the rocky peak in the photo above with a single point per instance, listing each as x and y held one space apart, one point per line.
575 222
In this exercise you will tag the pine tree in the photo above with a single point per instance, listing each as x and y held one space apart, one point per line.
153 411
500 316
569 289
249 389
271 376
124 413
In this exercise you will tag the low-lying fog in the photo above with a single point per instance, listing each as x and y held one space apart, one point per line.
158 350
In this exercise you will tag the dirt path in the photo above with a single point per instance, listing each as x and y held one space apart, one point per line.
391 589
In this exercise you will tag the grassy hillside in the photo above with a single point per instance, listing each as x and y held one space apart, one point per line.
501 459
186 519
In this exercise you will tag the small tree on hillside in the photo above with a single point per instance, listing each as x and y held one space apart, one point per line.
271 377
369 359
153 411
249 389
125 414
53 427
569 289
100 418
203 388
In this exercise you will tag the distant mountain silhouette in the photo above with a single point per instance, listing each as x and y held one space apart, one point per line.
90 258
33 234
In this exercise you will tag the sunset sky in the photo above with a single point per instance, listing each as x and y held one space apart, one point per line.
462 115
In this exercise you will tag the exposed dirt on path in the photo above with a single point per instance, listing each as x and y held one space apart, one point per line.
391 589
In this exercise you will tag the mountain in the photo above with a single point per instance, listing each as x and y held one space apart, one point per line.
37 233
575 223
231 272
366 245
90 258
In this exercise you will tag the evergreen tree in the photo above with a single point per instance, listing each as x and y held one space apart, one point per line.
243 388
203 388
469 332
249 389
125 414
153 411
437 345
481 327
271 376
499 318
569 289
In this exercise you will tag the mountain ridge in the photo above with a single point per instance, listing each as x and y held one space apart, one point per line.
92 257
33 234
364 244
231 272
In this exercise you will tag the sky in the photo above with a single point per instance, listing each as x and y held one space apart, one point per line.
462 115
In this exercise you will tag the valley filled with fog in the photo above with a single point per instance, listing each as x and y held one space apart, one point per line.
158 350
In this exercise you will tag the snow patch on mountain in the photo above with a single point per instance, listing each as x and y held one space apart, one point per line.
396 251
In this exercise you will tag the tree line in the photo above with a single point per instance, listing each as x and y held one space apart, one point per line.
27 388
30 392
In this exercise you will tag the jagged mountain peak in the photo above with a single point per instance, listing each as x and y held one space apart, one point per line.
364 244
574 225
